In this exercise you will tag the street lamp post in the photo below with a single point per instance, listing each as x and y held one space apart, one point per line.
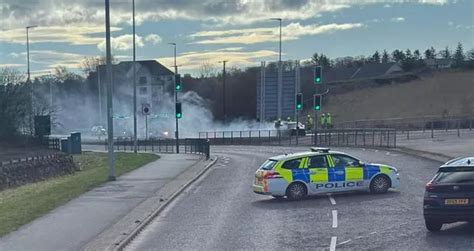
110 122
28 80
135 144
223 90
176 98
279 73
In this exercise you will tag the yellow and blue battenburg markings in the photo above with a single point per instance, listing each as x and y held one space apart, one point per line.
334 174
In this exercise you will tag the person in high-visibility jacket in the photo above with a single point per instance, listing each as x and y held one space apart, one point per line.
309 122
328 120
323 120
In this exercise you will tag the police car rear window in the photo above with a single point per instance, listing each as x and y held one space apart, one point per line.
268 165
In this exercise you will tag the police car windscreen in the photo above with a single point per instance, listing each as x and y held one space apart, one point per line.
268 165
455 175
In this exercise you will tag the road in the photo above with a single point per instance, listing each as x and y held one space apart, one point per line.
221 212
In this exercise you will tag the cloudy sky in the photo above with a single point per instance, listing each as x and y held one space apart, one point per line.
236 30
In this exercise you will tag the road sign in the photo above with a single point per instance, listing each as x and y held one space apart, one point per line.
146 110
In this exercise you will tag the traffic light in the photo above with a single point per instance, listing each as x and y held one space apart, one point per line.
299 101
179 113
317 102
318 74
177 82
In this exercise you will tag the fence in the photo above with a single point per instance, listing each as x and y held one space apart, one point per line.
30 159
195 146
418 123
328 137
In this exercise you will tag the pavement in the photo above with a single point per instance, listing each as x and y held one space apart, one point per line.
84 220
220 211
444 146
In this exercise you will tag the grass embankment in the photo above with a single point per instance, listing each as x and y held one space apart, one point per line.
21 205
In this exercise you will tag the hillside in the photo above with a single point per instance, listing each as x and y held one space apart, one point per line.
449 93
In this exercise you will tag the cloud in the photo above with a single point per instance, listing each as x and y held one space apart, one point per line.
77 35
52 59
153 39
122 43
398 19
292 31
18 14
11 65
193 61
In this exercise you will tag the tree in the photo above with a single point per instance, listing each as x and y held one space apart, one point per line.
398 56
315 58
90 64
458 56
408 62
446 54
430 53
207 70
385 57
375 58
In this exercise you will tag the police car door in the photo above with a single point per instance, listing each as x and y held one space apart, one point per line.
347 172
318 170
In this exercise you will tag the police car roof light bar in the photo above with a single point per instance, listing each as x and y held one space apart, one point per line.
320 149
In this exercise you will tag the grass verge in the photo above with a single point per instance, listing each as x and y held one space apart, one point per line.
21 205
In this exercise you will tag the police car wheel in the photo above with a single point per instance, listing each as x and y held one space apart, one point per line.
380 184
296 191
433 226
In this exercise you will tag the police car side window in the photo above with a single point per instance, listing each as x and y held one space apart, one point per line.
317 162
292 164
343 160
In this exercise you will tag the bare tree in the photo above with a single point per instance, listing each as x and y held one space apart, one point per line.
10 75
89 64
207 69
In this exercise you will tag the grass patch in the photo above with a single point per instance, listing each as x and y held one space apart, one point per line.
21 205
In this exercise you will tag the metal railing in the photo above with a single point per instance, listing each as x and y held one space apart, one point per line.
195 146
327 137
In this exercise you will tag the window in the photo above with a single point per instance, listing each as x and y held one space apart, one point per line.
456 176
142 81
292 164
317 162
343 160
268 165
143 90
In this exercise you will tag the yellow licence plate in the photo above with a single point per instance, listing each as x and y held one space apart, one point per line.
456 202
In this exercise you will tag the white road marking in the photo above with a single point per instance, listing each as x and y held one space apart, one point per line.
334 218
333 243
344 242
333 201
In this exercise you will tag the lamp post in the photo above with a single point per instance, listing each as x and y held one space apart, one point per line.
279 73
28 80
176 98
110 122
135 145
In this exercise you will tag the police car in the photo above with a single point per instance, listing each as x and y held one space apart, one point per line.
321 171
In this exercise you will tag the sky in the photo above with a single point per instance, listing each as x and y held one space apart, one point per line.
239 31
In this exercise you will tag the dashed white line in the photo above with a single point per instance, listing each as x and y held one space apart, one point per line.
333 243
334 218
333 201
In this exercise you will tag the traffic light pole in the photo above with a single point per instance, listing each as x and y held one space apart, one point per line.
297 126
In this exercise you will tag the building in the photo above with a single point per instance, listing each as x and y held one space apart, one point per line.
367 71
154 82
439 63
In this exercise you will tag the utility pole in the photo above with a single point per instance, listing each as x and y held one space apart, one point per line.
135 150
110 121
100 95
223 90
176 98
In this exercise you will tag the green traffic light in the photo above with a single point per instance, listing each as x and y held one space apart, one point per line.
318 80
317 107
298 106
178 87
178 115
